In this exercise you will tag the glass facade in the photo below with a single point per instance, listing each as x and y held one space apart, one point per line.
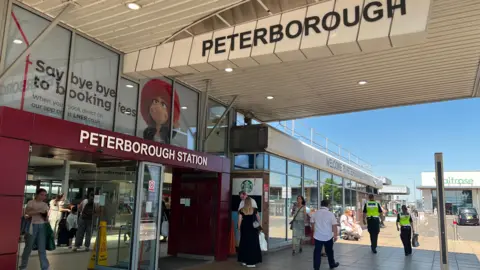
289 179
71 77
454 199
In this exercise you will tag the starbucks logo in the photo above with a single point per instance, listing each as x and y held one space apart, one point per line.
247 186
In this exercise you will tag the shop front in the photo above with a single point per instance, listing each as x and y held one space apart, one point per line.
461 191
274 168
124 174
72 124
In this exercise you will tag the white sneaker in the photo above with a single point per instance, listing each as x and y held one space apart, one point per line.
251 266
244 264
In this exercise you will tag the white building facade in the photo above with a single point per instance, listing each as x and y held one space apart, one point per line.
461 190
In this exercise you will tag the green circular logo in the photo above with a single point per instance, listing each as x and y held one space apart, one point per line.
247 186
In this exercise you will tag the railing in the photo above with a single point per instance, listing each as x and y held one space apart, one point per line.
322 143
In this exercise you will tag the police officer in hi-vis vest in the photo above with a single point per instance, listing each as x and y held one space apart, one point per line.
406 227
371 216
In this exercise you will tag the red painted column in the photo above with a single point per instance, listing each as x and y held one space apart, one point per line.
223 218
13 167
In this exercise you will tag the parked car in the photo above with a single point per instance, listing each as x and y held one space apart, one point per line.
468 216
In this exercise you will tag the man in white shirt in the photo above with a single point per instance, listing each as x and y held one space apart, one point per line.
325 234
243 195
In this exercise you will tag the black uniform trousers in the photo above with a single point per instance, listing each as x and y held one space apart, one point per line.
406 236
373 225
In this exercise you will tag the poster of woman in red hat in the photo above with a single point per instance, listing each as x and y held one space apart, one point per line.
155 111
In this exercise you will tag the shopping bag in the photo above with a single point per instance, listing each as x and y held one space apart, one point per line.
164 228
50 243
263 242
415 242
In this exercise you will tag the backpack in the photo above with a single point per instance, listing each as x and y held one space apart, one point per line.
88 210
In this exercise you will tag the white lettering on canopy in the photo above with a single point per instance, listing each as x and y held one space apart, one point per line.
125 145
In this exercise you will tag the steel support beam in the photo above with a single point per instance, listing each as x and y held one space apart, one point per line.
230 106
39 39
5 10
203 117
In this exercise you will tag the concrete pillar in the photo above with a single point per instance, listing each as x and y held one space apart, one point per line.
427 200
66 177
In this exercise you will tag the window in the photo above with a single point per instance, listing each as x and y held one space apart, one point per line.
294 169
37 84
244 162
261 161
278 208
217 141
278 164
369 190
240 119
337 180
294 190
310 184
126 114
185 116
325 177
93 85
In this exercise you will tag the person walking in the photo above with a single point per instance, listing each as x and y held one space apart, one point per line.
371 216
325 234
85 223
37 211
405 227
249 252
297 225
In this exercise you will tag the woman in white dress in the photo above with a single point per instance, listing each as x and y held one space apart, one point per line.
353 221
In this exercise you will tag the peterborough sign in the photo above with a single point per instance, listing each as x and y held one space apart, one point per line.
371 12
318 30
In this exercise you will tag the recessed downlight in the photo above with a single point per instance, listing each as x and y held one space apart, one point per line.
184 107
229 69
129 86
362 82
269 97
17 41
133 6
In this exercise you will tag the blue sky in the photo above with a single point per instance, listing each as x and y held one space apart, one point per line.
400 142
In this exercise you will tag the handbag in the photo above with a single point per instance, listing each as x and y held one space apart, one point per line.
415 242
165 227
256 224
50 246
294 217
263 242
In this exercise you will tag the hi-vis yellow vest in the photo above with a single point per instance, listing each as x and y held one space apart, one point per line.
404 220
372 209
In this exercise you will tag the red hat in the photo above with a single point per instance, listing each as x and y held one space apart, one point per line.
158 88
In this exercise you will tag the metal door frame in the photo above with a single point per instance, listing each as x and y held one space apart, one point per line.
134 256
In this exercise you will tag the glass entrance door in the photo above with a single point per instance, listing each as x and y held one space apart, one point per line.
146 245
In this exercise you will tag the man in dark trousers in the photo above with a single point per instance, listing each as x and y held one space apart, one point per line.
406 227
325 234
371 216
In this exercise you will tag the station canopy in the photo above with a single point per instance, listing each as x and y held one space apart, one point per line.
313 57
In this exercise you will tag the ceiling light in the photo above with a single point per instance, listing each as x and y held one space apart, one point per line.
229 69
129 86
133 6
269 97
362 82
17 41
184 107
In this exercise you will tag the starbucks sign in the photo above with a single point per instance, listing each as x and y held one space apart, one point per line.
247 186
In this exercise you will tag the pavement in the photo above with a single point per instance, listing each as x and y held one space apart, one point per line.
463 255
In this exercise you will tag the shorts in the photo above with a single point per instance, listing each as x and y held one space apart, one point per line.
72 233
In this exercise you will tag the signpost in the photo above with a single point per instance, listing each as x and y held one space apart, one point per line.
441 212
